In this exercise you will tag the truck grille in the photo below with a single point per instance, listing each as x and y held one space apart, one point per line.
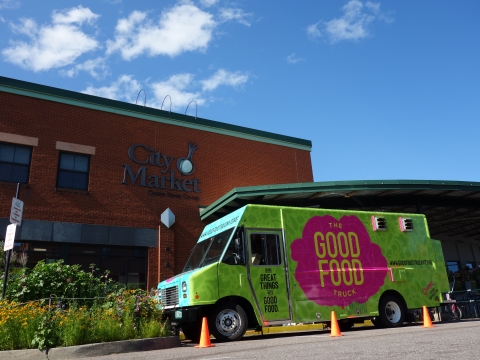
170 297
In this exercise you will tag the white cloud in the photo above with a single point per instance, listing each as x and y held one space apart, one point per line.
293 59
75 15
95 67
208 3
228 14
353 25
182 88
313 31
224 77
126 88
177 87
10 4
375 7
54 45
181 28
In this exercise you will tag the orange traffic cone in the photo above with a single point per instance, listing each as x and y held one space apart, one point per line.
427 322
334 326
205 336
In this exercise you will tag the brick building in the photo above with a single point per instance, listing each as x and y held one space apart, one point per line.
97 174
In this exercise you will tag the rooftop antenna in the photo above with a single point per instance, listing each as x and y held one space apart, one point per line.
196 108
170 102
145 97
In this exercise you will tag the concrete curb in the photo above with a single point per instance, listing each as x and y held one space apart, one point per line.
86 351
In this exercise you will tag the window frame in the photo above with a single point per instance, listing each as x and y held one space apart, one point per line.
88 156
30 148
279 247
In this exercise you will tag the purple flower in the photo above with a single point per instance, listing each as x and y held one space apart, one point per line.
68 280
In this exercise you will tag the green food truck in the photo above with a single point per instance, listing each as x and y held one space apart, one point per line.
269 265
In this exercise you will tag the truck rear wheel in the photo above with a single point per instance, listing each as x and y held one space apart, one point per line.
228 322
391 312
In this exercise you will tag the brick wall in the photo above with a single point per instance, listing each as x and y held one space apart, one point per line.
222 163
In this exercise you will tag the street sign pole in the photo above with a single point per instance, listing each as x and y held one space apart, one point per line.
9 254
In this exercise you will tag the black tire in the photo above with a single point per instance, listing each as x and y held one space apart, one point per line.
345 325
376 322
192 331
391 312
228 322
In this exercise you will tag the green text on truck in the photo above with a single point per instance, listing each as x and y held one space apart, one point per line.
269 265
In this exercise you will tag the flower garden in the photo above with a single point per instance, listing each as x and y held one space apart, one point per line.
55 305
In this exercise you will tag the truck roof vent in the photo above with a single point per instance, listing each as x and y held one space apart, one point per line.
379 223
406 224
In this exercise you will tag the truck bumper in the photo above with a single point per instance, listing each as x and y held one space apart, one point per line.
177 317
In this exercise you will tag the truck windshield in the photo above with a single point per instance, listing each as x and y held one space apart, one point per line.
208 251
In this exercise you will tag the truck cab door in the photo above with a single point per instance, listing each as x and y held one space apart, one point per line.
267 275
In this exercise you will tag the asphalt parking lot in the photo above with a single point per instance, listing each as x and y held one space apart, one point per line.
458 340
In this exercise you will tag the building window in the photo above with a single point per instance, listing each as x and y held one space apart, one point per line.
15 163
73 171
453 266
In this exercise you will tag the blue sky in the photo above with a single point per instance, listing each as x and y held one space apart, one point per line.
384 90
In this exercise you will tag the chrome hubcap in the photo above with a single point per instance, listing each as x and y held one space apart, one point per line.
393 312
228 322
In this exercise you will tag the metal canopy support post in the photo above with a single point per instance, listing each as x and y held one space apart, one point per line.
9 254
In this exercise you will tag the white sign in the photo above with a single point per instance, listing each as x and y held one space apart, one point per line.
16 212
10 237
167 218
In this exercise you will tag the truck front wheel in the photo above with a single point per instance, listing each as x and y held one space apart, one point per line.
391 312
192 331
228 322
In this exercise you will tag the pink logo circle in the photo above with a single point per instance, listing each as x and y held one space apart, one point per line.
337 263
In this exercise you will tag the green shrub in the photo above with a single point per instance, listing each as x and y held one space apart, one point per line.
58 280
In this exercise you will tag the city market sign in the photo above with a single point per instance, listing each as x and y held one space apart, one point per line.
149 157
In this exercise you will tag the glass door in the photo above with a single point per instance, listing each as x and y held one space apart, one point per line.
267 274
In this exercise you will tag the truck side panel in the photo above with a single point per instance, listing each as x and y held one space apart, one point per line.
338 262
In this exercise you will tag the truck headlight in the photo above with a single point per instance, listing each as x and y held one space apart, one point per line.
184 286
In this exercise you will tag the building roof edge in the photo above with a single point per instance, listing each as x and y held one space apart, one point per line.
24 88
